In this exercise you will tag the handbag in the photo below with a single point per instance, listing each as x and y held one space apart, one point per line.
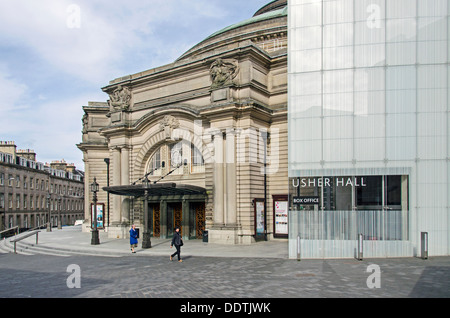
181 243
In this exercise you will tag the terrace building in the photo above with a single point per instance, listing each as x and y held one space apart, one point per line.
33 193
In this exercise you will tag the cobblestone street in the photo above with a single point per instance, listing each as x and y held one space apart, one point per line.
213 277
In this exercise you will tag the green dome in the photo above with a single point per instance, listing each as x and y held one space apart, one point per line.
273 10
257 18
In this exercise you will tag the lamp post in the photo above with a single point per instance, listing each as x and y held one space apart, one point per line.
49 226
94 188
146 243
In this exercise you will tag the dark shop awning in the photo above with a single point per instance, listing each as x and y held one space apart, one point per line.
157 189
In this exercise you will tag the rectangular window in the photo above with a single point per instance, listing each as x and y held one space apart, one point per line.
197 158
344 206
370 196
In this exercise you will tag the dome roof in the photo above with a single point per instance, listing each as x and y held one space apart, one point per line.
273 10
274 5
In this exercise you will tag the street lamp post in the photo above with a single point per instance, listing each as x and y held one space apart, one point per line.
95 238
49 226
146 243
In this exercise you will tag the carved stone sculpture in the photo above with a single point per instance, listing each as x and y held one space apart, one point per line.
85 123
120 98
168 124
223 72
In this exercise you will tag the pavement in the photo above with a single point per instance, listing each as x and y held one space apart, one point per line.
70 240
64 264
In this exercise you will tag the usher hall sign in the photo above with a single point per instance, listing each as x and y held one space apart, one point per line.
327 182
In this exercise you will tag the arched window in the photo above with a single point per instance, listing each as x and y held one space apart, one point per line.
154 167
198 164
175 157
176 154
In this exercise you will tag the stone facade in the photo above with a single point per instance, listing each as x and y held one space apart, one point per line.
210 119
30 190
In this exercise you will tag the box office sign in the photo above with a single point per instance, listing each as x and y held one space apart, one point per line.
306 200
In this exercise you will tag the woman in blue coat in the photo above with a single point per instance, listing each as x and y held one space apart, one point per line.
133 238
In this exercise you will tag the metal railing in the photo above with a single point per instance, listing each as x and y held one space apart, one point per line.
24 237
9 230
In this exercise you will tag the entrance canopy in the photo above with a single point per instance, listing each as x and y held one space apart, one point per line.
157 189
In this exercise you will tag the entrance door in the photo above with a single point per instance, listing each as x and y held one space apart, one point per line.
174 218
197 219
155 219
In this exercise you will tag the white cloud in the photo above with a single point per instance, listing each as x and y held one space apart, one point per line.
91 39
11 91
51 128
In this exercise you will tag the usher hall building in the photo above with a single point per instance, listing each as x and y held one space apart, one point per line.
200 143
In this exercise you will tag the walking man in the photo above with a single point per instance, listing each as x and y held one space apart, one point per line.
178 242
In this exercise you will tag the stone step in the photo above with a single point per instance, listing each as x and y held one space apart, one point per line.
55 251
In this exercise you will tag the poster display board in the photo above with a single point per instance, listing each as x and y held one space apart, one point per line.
259 218
100 215
280 216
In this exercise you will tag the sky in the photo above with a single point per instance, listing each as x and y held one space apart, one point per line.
56 55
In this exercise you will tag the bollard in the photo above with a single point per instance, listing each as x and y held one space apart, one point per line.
298 248
360 247
424 244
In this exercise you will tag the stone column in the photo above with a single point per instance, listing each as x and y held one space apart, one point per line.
218 216
116 174
230 168
125 178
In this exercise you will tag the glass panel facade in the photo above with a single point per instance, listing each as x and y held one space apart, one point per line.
369 97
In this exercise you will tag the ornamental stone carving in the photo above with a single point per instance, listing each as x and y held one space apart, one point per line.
168 124
120 98
223 72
